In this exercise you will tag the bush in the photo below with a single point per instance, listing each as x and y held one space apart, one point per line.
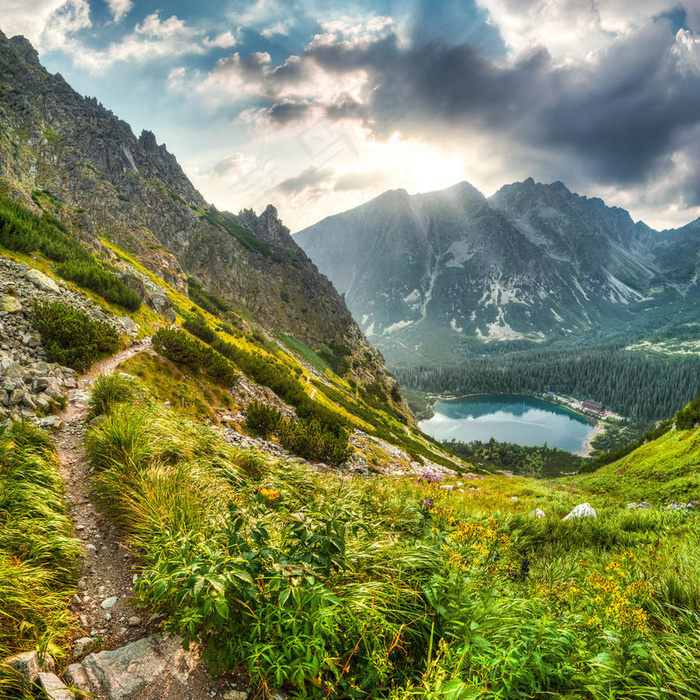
205 299
89 275
71 338
197 326
261 418
316 441
25 232
183 349
688 417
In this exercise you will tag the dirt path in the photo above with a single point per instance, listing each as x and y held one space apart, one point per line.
103 605
108 564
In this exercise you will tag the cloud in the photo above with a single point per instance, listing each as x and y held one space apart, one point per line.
69 18
28 19
152 39
311 178
119 8
617 112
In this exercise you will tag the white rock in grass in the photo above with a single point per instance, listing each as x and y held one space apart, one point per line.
537 513
54 687
584 510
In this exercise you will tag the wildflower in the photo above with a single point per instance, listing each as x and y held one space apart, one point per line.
270 494
428 503
429 477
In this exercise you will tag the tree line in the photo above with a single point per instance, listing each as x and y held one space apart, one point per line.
642 386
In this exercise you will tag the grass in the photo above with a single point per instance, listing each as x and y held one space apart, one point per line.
665 468
196 398
331 587
39 556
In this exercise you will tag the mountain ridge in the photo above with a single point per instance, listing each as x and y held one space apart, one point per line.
532 263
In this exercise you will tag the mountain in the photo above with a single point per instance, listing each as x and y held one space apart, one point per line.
68 156
432 276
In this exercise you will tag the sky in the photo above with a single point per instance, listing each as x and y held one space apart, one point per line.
316 106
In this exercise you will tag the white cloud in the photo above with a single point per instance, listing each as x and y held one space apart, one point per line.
569 29
152 39
28 17
280 29
71 17
119 8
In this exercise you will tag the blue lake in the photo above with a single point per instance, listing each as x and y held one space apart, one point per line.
523 420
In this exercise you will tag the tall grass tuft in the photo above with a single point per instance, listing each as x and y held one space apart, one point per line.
39 557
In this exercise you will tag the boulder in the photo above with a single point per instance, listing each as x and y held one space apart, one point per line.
83 645
10 304
54 687
29 665
76 677
141 668
584 510
42 281
128 325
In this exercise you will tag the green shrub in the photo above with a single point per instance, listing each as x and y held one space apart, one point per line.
688 417
71 337
262 418
183 349
205 299
316 441
25 232
197 326
89 275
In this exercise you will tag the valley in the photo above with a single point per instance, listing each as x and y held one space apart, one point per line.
214 485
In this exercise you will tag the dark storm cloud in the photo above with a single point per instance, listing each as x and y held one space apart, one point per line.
621 112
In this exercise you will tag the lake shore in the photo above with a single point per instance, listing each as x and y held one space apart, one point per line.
587 447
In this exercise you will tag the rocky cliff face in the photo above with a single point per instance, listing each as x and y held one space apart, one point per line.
432 276
73 158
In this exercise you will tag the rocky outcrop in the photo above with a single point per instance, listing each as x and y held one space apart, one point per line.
137 670
28 384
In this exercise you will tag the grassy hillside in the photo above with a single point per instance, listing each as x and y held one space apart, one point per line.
665 468
385 588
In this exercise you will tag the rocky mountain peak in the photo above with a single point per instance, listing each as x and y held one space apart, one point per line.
23 47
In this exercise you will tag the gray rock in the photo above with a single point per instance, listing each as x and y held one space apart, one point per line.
76 677
83 646
54 687
235 695
28 665
42 282
137 669
584 510
134 621
128 325
537 513
109 602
